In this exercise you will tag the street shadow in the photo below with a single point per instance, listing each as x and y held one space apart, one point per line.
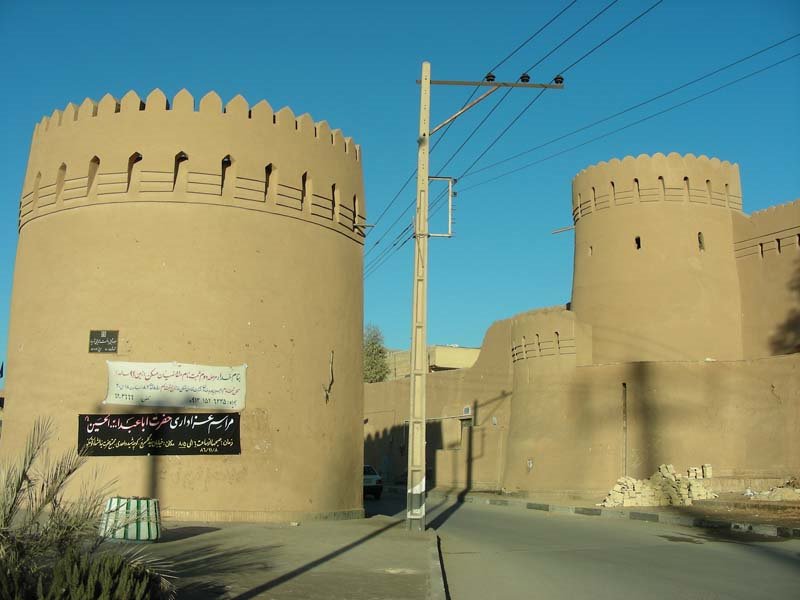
198 567
206 561
268 585
174 534
200 590
786 340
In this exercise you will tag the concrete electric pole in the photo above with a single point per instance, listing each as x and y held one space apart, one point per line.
416 486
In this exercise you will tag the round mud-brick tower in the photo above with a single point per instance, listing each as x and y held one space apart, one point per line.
205 235
655 274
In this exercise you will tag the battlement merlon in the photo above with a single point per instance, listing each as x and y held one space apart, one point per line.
138 148
670 179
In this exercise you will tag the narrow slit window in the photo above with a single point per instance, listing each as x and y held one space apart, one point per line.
538 344
686 189
180 159
355 212
91 181
62 175
132 161
227 162
304 190
761 249
594 198
267 176
333 201
613 193
590 250
709 191
701 243
638 242
778 244
37 183
558 343
662 188
637 191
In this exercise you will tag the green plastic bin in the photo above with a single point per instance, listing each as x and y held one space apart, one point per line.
135 519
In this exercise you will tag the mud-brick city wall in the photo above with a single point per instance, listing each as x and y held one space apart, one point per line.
680 344
583 428
461 450
767 249
568 428
210 235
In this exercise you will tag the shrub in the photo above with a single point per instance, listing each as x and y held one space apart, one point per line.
50 548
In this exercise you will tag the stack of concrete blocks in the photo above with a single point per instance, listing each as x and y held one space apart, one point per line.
664 488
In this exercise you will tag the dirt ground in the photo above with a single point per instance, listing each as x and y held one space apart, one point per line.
735 507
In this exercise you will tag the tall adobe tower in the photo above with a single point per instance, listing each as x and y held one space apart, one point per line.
205 235
655 274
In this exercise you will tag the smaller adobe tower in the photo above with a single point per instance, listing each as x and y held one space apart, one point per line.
655 274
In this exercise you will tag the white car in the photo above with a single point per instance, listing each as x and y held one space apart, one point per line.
373 484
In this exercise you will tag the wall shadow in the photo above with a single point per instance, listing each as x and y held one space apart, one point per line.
469 460
386 450
640 418
786 340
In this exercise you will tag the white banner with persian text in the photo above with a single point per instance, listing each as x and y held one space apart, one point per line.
176 385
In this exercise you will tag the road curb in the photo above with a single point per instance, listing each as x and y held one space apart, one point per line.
763 529
437 587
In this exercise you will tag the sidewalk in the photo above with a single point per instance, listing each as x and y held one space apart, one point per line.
355 559
730 512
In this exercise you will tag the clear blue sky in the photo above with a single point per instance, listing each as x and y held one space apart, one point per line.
354 64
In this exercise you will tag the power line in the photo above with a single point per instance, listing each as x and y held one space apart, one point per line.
508 91
437 203
444 132
634 107
486 117
637 122
526 42
539 95
533 66
388 250
379 264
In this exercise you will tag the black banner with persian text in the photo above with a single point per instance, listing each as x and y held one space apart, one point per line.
158 433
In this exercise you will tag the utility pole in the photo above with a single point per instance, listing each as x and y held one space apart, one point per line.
416 485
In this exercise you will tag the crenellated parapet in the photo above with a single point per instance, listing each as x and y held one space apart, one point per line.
770 234
543 333
670 180
236 155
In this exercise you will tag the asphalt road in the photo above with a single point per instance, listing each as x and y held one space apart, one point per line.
498 552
